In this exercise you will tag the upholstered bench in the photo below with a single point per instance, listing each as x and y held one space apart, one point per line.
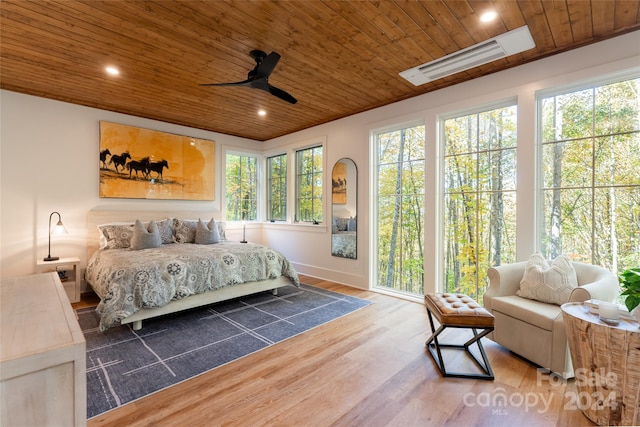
458 311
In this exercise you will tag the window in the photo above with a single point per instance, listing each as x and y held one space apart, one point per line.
400 210
479 214
241 187
590 171
309 184
277 188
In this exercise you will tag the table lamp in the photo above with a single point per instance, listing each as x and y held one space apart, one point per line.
58 229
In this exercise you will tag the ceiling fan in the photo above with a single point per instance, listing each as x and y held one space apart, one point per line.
258 78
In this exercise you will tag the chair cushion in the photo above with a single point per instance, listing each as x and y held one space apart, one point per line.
536 313
551 283
458 310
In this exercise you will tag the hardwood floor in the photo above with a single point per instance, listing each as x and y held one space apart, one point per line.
369 368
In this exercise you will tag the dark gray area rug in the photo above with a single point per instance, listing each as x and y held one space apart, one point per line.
124 365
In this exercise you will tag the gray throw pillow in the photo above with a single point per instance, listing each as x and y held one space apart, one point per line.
207 234
145 238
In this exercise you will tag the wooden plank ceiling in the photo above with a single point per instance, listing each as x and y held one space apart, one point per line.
338 57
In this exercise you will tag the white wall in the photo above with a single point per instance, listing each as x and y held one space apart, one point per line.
49 156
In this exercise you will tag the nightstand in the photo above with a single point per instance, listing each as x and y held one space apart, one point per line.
71 278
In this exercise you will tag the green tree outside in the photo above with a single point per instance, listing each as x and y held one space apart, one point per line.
400 210
479 197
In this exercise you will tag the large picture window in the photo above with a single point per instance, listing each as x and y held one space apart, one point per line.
309 185
399 212
277 188
590 170
479 209
241 187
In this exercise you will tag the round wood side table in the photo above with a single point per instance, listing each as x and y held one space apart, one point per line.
606 361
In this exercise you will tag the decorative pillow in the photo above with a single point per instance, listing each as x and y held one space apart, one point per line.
221 230
207 234
342 224
166 230
145 237
118 236
548 283
352 225
185 230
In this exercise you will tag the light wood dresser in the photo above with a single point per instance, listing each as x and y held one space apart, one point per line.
42 355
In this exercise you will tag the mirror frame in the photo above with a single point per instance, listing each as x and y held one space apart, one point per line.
344 209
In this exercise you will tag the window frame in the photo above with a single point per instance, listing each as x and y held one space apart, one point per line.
375 197
258 184
478 109
269 186
297 175
558 91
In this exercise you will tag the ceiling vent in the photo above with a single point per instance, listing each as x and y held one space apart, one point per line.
506 44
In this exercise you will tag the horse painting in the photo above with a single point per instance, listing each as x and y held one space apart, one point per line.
120 160
103 157
157 167
142 166
140 163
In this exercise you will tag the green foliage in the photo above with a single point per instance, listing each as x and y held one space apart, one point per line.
591 174
241 188
630 284
309 182
401 210
277 187
479 199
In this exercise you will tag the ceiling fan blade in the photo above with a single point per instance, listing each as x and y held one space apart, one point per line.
267 65
281 94
242 83
258 77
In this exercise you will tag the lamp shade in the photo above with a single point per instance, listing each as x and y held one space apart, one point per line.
58 229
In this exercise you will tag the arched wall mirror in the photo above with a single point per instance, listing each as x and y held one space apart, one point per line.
344 205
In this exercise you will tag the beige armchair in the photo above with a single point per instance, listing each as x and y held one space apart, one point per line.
533 329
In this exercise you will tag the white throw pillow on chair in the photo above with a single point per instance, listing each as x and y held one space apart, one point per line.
550 283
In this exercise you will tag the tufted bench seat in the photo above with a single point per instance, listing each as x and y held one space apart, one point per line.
458 311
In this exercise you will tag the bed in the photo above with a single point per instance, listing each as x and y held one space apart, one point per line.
344 237
140 283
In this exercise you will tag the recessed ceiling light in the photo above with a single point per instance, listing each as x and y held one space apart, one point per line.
262 113
112 71
489 16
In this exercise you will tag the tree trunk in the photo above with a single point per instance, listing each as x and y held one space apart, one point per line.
497 208
396 213
556 218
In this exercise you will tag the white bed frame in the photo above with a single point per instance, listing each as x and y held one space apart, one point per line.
99 216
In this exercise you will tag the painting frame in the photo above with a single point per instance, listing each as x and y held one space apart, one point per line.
140 163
